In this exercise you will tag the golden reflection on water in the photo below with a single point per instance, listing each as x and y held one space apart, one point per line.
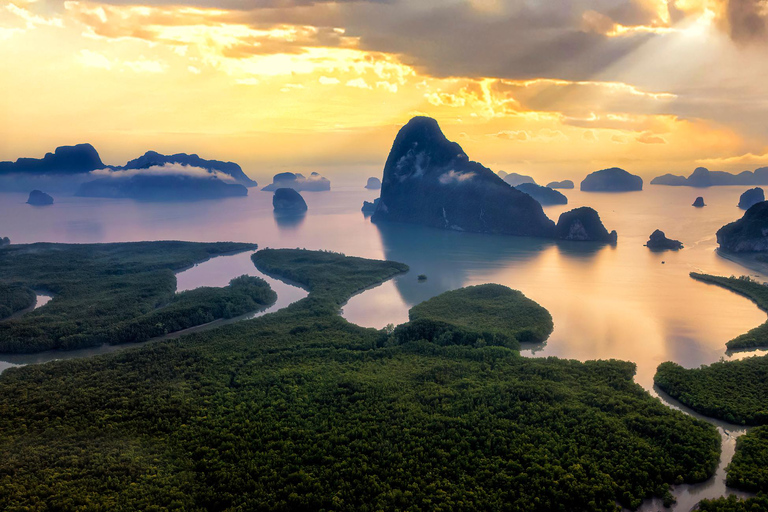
622 302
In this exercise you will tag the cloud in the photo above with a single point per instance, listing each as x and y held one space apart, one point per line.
517 135
145 66
92 59
360 83
169 169
542 135
649 138
619 139
746 19
455 177
739 161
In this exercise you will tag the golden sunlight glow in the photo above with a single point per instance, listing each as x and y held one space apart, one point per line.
210 80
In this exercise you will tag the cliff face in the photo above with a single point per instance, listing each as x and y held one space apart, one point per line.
612 180
77 159
430 180
748 234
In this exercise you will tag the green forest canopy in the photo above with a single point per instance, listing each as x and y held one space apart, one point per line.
115 293
734 391
485 314
301 410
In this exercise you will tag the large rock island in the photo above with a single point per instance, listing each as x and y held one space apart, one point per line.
584 225
78 159
155 159
430 180
748 234
612 180
544 195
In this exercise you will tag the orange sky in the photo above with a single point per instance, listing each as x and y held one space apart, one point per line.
554 90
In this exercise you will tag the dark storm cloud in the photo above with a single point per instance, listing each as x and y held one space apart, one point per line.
519 39
747 19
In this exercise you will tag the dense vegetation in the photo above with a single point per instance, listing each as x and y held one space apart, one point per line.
758 292
734 504
749 468
116 293
735 391
488 314
15 298
748 471
301 410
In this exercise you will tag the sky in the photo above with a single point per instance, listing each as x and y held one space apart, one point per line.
553 89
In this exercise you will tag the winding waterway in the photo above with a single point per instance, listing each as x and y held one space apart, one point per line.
622 302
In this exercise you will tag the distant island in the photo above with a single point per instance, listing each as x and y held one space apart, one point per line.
79 159
161 187
297 181
703 177
560 184
699 202
515 179
751 197
584 225
544 195
658 241
288 200
373 183
611 180
748 234
39 198
430 180
155 159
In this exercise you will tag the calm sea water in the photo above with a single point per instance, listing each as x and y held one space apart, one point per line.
621 301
